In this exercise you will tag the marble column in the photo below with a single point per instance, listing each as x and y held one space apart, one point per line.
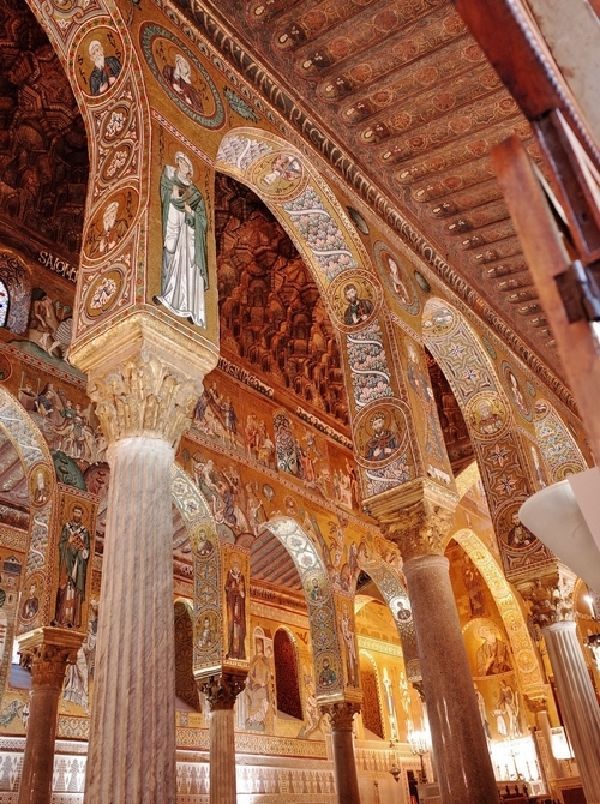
578 703
133 717
464 767
419 518
341 716
144 378
220 692
51 650
542 737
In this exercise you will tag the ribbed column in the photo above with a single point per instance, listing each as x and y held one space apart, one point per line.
578 702
464 767
221 691
132 729
50 649
346 781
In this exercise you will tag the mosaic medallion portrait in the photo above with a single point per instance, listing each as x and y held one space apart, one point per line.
396 278
182 76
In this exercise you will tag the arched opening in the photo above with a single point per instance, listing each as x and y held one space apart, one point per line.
287 686
493 422
271 310
186 690
371 702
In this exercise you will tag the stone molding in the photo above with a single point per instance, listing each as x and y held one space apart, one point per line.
221 689
418 517
51 650
341 714
144 376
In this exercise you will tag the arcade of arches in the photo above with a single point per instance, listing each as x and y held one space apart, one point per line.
262 450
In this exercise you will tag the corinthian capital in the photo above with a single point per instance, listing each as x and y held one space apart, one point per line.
50 650
341 714
549 598
144 374
222 689
418 517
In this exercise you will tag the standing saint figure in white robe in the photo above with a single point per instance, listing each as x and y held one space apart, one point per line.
184 270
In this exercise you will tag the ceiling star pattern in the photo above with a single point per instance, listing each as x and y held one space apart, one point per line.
412 99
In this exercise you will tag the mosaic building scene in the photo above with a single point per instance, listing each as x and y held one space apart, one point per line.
299 381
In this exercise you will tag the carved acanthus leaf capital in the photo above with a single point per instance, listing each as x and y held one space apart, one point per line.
50 650
418 517
221 689
536 703
549 598
145 376
341 714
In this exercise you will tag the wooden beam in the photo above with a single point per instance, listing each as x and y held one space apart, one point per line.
502 39
578 347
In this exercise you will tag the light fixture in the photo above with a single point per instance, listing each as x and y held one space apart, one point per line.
420 744
564 517
395 770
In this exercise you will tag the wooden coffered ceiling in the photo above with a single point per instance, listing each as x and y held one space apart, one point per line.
404 90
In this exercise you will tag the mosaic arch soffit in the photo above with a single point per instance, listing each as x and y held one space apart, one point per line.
319 598
501 429
35 457
526 662
307 209
250 155
23 432
188 498
559 448
469 476
303 552
392 587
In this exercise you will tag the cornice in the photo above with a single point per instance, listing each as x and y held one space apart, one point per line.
215 30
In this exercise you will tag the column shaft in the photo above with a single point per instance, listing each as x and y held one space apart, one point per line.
220 691
132 730
38 761
50 649
578 703
346 780
222 757
465 772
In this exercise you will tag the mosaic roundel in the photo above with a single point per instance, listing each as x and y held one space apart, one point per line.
100 58
279 175
396 278
379 434
110 223
355 300
514 534
182 77
103 292
487 415
516 391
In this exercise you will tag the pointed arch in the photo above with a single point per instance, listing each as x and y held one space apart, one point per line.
322 232
527 667
320 603
497 437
